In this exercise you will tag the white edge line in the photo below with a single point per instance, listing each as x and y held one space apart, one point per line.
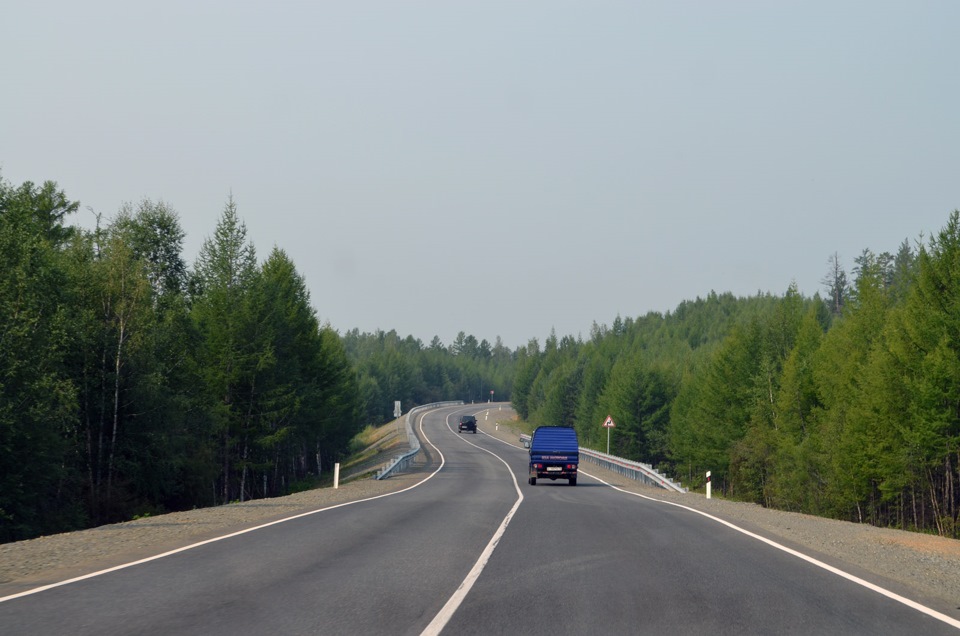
809 559
443 617
123 566
820 564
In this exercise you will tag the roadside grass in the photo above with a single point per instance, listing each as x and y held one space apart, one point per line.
522 426
369 436
515 423
371 448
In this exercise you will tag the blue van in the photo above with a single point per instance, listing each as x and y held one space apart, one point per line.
554 454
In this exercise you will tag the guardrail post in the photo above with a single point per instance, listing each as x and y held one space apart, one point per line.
708 484
336 475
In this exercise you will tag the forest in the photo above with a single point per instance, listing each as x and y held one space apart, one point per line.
393 368
132 384
846 406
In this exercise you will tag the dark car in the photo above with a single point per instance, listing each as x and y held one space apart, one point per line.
467 423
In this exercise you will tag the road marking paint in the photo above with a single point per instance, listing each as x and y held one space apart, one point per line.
453 603
123 566
829 568
800 555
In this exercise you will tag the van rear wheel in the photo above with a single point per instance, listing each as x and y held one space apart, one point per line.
532 481
573 481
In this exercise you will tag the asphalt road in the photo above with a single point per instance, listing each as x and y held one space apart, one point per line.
474 549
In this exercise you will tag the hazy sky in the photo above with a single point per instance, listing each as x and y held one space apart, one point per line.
501 168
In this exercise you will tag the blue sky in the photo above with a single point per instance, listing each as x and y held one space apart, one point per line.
501 168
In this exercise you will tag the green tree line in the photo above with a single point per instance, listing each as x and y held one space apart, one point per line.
845 406
132 384
391 368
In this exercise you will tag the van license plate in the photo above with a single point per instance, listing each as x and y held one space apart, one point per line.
552 469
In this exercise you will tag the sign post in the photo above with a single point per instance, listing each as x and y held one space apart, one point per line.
608 424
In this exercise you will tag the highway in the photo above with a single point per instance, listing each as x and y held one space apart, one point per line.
474 549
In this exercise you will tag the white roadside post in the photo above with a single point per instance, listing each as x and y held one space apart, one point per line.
336 475
708 484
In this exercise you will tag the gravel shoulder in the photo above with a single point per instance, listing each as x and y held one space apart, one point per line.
922 567
28 564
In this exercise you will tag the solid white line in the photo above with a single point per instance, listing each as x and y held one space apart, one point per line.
123 566
820 564
450 607
809 559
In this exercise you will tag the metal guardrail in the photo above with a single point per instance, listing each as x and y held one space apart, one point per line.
402 462
644 473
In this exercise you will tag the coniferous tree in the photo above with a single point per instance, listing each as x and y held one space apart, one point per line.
796 479
839 372
923 356
225 273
